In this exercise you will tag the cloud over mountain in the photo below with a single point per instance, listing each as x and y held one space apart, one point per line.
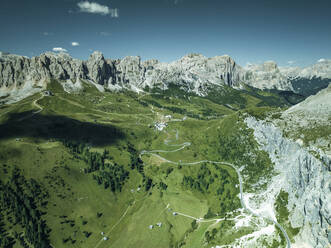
59 49
96 8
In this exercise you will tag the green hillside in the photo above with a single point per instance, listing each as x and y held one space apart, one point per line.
72 173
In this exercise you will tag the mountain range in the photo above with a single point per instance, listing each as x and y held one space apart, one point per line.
21 76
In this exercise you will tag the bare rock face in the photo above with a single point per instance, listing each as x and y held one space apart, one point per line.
193 73
130 71
267 76
13 70
305 178
99 70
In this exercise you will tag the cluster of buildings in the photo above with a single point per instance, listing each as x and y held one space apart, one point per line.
104 237
159 224
160 125
163 122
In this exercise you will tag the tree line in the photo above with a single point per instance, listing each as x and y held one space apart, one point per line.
219 183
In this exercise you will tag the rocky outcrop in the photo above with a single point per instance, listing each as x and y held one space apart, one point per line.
306 179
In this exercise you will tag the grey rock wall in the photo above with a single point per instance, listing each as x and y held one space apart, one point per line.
306 179
193 72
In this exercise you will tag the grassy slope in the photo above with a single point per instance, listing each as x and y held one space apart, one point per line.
126 215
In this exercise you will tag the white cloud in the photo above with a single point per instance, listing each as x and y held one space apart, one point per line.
96 8
321 60
114 13
291 62
47 33
104 33
74 43
92 7
59 49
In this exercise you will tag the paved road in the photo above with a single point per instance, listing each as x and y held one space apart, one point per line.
153 153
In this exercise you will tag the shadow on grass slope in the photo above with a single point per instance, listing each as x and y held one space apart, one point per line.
27 124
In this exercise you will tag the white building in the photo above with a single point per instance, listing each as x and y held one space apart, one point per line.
160 125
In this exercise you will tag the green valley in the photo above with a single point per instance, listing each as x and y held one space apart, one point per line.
121 169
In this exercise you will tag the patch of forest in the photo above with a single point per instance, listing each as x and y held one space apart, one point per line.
215 181
21 200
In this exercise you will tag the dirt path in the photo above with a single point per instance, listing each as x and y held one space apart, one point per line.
35 103
119 221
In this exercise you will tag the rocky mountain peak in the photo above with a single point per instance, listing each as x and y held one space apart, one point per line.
95 56
193 56
269 66
99 70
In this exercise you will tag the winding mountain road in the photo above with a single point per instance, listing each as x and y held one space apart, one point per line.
248 209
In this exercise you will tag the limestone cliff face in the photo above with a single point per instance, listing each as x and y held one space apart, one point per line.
99 70
306 179
15 70
191 72
194 72
267 76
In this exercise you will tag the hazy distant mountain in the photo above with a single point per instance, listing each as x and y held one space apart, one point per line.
267 76
309 80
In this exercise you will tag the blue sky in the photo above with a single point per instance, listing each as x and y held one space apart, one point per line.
251 31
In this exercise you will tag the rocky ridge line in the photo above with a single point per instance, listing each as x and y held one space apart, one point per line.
194 72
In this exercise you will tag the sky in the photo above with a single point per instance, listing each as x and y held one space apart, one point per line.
292 32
